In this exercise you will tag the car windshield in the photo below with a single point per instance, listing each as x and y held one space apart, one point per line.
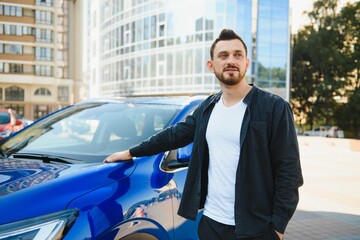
89 132
4 117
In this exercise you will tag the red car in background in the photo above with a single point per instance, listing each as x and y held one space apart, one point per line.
9 123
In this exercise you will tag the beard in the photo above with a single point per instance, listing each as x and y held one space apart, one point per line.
232 79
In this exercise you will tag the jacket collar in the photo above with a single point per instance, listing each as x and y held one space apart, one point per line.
247 100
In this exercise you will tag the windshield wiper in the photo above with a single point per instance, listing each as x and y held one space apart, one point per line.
46 158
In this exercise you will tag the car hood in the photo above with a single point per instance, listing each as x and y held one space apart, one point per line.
3 127
32 188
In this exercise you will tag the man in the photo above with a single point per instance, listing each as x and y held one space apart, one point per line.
244 169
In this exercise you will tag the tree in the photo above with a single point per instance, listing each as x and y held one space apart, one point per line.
303 86
323 61
347 115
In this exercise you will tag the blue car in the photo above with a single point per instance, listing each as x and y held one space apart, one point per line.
54 184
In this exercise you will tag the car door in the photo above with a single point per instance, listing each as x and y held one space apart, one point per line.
176 165
176 162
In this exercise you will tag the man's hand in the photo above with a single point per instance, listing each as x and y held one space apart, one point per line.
280 235
119 156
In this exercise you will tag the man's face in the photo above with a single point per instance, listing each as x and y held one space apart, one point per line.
230 63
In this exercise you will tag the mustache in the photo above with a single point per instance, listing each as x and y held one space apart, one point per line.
231 67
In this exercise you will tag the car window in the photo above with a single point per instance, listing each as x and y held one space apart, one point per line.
92 131
4 117
158 123
70 132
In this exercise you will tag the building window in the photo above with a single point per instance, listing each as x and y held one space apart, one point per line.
14 93
161 68
6 30
44 35
43 17
162 30
153 26
13 29
11 49
41 70
41 111
126 72
28 30
1 94
19 30
19 109
42 92
11 10
63 93
6 10
16 68
43 54
19 11
47 3
11 68
16 30
209 24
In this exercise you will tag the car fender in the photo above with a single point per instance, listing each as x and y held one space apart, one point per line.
101 216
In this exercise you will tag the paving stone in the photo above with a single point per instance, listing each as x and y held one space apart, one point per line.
329 207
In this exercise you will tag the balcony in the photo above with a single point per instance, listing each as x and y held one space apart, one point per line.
23 2
16 38
14 19
17 57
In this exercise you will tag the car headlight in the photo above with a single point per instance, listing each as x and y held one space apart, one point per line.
52 226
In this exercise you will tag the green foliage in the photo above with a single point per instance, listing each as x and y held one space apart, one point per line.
325 64
347 115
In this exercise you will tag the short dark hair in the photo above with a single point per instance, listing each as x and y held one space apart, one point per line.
226 34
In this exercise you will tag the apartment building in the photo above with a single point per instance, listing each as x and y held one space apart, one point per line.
40 63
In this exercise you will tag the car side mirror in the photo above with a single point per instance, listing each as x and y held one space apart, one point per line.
176 160
184 154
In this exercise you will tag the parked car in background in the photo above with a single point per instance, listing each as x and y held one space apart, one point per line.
25 121
326 131
54 184
9 123
336 132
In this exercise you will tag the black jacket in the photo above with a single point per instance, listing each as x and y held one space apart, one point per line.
268 174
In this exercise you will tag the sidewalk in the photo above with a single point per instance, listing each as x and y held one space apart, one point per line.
329 206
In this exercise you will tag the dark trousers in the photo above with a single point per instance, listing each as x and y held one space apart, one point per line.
211 230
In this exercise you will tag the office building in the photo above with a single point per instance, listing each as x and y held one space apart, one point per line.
40 56
157 47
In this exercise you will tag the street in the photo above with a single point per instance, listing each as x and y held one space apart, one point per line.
329 206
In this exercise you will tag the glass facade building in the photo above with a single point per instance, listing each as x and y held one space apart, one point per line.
157 47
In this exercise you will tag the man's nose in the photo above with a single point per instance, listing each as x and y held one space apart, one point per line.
230 60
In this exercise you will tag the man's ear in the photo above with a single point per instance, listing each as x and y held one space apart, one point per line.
247 63
210 65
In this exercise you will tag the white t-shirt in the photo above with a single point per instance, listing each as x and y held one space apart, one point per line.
223 138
